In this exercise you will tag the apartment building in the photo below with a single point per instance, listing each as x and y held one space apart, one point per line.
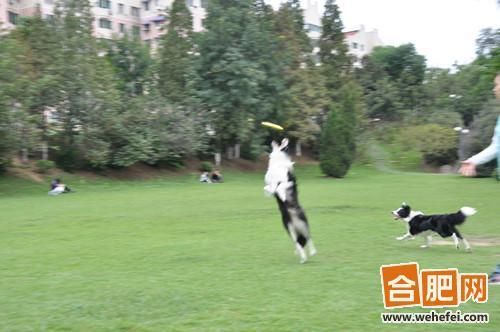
146 19
142 18
360 41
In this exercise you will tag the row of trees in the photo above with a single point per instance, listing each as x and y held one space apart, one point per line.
88 103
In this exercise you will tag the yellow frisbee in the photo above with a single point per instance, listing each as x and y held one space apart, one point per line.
271 125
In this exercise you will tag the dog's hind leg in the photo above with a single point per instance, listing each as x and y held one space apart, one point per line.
312 248
428 242
457 236
298 248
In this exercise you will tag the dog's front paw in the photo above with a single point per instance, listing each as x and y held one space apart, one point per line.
424 246
399 238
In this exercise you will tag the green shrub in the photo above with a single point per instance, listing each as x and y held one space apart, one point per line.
43 166
337 145
437 144
206 166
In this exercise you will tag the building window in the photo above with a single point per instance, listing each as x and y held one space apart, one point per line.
136 31
105 4
146 27
121 8
13 18
361 47
145 5
355 45
122 28
104 23
134 11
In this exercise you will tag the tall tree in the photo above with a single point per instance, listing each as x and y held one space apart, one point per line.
406 70
305 93
337 144
131 61
334 55
231 72
88 95
10 91
176 53
39 54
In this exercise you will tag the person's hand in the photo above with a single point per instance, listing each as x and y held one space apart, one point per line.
467 168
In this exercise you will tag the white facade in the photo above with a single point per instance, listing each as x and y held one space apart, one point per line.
143 18
361 42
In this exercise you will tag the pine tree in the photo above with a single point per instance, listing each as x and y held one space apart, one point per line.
176 53
337 146
334 56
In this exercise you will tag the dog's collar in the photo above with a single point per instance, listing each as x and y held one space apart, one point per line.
412 215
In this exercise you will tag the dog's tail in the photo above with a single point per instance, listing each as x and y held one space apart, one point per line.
462 214
468 211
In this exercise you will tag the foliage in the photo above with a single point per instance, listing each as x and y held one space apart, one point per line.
305 96
337 145
131 62
89 98
405 69
176 53
43 166
438 145
335 60
206 166
233 71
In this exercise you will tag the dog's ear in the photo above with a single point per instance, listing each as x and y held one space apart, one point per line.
284 144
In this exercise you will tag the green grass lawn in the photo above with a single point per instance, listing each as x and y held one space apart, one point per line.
176 255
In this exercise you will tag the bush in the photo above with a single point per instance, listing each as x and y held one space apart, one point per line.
337 146
437 144
206 166
43 166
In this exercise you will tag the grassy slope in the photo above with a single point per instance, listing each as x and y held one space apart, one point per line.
174 254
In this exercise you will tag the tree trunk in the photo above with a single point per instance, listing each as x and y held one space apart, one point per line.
230 152
24 155
45 151
217 159
237 151
298 148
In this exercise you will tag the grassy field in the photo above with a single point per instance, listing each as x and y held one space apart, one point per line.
176 255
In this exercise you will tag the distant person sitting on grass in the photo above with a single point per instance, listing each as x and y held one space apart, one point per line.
58 188
205 178
216 176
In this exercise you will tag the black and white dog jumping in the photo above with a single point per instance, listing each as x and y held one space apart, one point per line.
281 183
442 224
